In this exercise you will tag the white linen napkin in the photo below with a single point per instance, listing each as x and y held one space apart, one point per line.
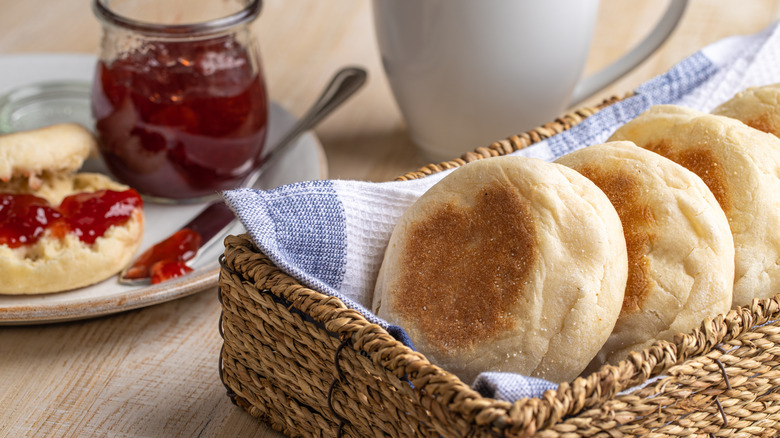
331 235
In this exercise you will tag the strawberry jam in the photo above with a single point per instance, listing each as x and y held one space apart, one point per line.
165 260
89 215
181 119
168 269
24 218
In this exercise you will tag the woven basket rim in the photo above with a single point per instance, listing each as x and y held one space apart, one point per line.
526 416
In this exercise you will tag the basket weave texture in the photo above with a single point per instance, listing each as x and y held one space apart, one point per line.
309 366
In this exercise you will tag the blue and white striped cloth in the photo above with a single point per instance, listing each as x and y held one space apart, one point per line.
331 235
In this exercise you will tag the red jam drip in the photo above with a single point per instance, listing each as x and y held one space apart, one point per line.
24 218
181 119
165 260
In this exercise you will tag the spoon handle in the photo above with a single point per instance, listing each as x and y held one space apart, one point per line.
343 85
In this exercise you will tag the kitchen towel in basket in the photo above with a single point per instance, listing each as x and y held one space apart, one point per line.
331 235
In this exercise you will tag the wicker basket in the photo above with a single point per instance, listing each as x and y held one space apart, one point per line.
309 366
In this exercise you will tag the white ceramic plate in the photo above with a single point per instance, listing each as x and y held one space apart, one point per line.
305 160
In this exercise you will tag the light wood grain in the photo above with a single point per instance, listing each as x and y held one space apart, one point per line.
153 372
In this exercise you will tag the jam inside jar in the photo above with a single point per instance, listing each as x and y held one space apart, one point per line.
181 110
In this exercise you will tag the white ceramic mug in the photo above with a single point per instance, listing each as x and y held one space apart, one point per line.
468 72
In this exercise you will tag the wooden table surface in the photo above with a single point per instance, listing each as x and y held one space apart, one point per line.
153 372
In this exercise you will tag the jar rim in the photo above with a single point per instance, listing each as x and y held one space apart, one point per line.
245 15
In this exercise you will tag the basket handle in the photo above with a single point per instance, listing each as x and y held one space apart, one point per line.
596 81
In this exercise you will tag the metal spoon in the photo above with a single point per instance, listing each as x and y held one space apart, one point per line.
343 85
217 215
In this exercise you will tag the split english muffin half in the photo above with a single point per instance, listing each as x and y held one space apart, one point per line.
61 229
58 149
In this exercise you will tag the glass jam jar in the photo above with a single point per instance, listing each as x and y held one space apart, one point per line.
179 97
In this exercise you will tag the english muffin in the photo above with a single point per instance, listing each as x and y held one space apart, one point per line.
61 230
680 249
60 148
507 264
741 166
757 107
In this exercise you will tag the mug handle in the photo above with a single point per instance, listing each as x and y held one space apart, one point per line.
596 81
